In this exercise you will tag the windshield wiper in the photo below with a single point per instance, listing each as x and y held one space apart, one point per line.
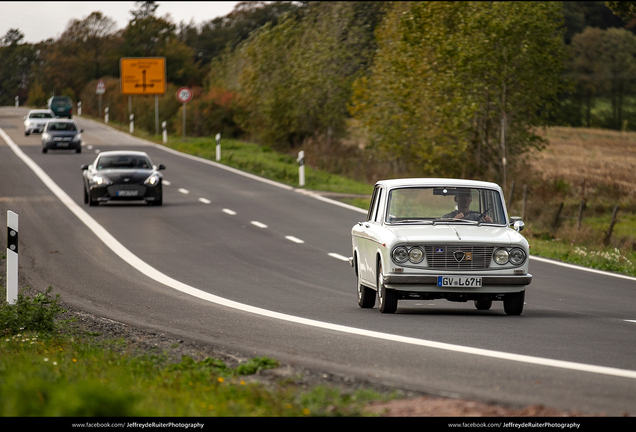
455 220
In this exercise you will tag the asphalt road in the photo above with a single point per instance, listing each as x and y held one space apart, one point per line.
260 268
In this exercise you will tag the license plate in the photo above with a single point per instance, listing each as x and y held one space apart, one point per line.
458 281
127 193
62 144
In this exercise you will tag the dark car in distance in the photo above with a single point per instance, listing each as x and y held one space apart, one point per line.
122 176
62 134
62 106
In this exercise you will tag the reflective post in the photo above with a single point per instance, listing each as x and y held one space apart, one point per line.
12 257
301 168
164 132
106 115
218 147
132 123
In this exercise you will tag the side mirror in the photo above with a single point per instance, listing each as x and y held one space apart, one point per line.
81 130
161 167
84 167
517 224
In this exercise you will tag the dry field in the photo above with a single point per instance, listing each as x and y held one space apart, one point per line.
595 156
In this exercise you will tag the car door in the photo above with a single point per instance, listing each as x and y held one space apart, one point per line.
368 238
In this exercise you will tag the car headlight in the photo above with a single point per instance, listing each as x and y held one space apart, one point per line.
416 255
400 254
100 180
46 137
77 138
517 256
501 256
153 180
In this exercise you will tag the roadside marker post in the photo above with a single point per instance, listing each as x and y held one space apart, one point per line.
164 132
218 147
132 123
12 257
106 115
301 168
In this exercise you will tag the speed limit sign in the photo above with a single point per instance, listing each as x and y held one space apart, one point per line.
184 94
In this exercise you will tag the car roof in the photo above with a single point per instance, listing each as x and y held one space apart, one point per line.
437 182
123 153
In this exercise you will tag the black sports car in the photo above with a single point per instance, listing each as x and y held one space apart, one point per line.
122 175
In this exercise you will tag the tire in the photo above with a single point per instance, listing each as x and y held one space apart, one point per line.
483 304
513 303
44 150
366 295
78 150
388 297
92 202
85 196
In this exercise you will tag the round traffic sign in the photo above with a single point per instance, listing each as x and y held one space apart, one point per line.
184 94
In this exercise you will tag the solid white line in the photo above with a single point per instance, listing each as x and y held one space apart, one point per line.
184 191
294 239
205 201
259 224
228 211
166 182
575 267
130 258
338 256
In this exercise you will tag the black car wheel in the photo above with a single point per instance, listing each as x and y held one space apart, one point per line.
44 149
85 196
483 304
513 303
388 298
366 296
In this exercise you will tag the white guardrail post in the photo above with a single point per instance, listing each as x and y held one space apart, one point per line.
12 257
132 123
301 168
218 147
164 132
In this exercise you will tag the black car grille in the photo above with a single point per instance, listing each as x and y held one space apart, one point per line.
113 189
454 257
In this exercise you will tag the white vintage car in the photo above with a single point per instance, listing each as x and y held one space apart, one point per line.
440 239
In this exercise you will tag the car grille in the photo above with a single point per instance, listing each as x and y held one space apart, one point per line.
443 257
112 190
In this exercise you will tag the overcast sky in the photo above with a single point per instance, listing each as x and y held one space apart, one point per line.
39 21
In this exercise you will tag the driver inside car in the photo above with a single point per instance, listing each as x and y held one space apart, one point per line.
463 198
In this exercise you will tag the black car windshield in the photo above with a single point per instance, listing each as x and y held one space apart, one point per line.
123 162
61 126
40 115
61 103
445 204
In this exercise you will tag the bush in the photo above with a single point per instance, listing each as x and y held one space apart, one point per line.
35 314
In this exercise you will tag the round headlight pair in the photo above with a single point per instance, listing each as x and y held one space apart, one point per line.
515 256
401 255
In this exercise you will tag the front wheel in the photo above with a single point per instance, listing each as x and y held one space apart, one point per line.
513 303
388 297
366 296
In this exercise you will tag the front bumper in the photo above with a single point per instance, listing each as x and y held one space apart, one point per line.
114 193
62 145
428 284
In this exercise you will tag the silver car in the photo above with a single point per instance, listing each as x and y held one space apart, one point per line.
36 119
440 239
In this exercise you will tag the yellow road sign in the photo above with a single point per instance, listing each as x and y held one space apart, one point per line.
143 75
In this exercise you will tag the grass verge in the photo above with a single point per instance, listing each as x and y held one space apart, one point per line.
50 368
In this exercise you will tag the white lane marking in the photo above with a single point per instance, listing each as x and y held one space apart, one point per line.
132 259
166 182
183 191
228 211
205 201
634 321
575 267
294 239
259 224
338 256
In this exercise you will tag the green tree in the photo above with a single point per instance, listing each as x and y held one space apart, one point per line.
17 60
447 73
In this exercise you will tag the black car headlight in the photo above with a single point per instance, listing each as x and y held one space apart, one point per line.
100 180
153 180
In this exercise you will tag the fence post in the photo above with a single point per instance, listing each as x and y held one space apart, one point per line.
555 224
12 257
611 227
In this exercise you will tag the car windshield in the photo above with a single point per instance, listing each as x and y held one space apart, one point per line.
124 162
439 204
40 115
61 126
